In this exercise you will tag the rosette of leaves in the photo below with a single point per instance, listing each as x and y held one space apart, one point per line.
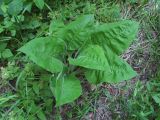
92 48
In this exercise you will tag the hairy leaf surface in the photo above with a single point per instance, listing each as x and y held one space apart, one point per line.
92 57
43 51
66 89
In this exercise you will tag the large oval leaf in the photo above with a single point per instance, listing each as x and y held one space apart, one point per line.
15 7
116 36
118 70
43 51
66 89
77 32
56 26
118 74
92 57
39 3
81 22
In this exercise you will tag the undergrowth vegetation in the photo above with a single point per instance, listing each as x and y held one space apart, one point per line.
67 59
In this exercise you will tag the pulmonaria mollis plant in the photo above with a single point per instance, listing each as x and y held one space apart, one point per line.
82 46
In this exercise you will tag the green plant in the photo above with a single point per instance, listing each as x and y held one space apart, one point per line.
25 87
82 47
4 52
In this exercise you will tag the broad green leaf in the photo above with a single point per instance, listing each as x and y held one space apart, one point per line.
117 71
44 52
15 7
81 22
55 26
66 89
3 8
39 3
3 46
27 7
117 36
77 32
7 53
91 57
